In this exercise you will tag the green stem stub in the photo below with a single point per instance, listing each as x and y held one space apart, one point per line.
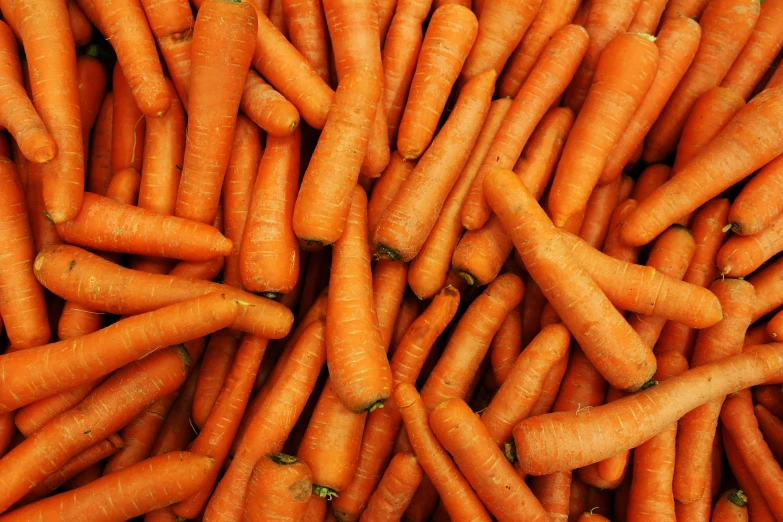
324 492
649 384
375 405
387 253
737 497
510 451
283 459
468 277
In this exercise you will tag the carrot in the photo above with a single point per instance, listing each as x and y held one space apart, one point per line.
279 488
211 126
483 464
598 213
177 430
519 393
31 417
716 165
99 166
650 179
128 126
771 397
316 510
171 22
18 114
267 107
757 504
388 284
271 424
386 9
606 20
684 9
395 490
554 493
470 341
279 62
124 187
146 486
275 15
91 79
218 360
357 363
480 254
428 270
726 26
731 507
546 83
449 38
552 16
671 255
767 283
324 198
772 429
647 17
269 257
617 88
22 303
578 499
46 36
81 27
757 334
112 405
741 255
677 43
408 220
506 345
710 114
754 209
355 37
455 491
386 188
756 57
89 357
659 405
306 26
776 80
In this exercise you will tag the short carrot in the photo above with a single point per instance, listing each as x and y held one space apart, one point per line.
395 490
267 107
731 507
128 125
306 26
757 505
279 488
741 255
449 38
99 166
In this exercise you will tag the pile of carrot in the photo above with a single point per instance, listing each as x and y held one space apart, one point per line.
383 260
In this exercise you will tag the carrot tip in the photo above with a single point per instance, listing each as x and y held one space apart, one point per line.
468 277
324 492
44 154
387 254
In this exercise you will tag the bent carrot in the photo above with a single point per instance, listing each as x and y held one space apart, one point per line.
99 166
660 405
127 125
279 488
267 107
306 26
395 490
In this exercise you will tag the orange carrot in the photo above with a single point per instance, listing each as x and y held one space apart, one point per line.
31 417
767 283
306 26
454 490
211 126
269 257
650 179
204 270
552 16
275 15
647 17
386 188
757 334
726 26
324 199
395 490
428 270
388 285
357 362
386 10
267 107
771 397
554 493
731 507
606 20
91 79
218 360
449 38
756 57
99 167
755 208
741 255
617 88
757 505
506 345
731 156
316 510
408 220
279 488
684 9
772 429
660 405
598 213
128 125
177 430
677 43
546 83
81 27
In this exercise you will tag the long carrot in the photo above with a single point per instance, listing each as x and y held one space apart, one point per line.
546 83
306 26
618 88
112 405
741 255
219 355
677 42
128 125
408 220
576 440
755 207
395 490
449 38
386 188
388 286
726 25
757 505
269 257
747 143
99 167
772 429
279 488
267 107
91 79
31 417
324 198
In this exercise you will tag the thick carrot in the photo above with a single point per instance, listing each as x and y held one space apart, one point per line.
279 488
726 26
506 345
598 213
99 168
31 417
449 38
772 429
710 115
111 406
210 125
755 208
269 257
388 285
757 504
762 47
741 255
554 493
44 28
677 42
357 362
606 20
306 26
546 83
577 436
731 156
767 282
647 17
468 345
386 188
771 397
428 270
267 107
408 220
22 303
455 491
395 490
324 198
618 88
271 424
128 126
218 361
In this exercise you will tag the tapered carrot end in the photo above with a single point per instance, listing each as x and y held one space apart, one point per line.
226 247
405 395
45 153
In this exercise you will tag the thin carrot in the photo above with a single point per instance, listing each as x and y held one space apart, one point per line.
388 285
598 213
408 220
218 360
306 26
771 397
648 16
659 405
449 38
546 83
91 79
324 198
650 179
618 87
395 490
741 255
275 15
757 504
279 488
99 168
677 42
726 26
177 430
81 27
31 417
772 429
386 188
506 345
267 107
386 9
128 126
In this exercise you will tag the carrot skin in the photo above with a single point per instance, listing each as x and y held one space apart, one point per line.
267 107
757 504
99 166
128 125
279 488
219 357
386 188
306 26
395 490
399 58
756 207
31 417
